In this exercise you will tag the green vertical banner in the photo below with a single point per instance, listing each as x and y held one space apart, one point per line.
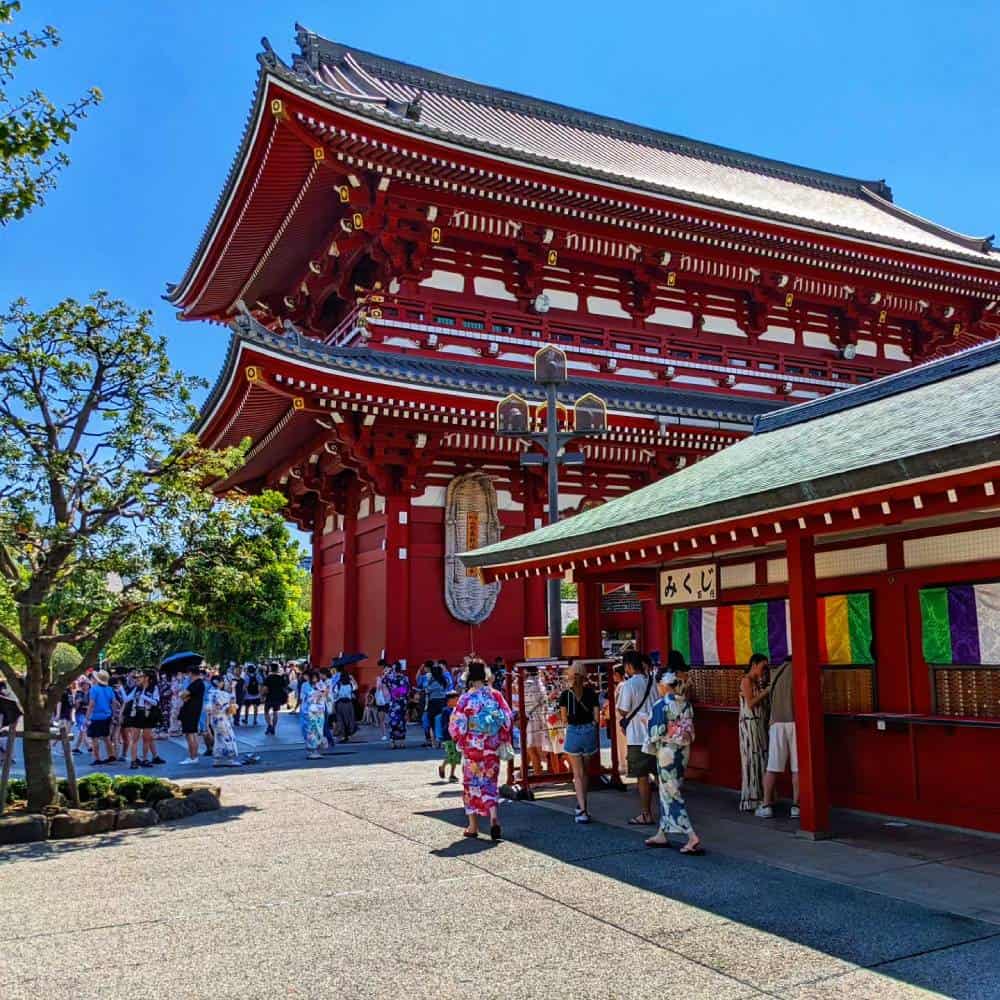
935 624
759 641
680 638
859 627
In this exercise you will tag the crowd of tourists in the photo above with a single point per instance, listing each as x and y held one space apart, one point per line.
461 710
118 716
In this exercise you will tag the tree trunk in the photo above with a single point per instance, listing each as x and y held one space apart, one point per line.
40 776
38 764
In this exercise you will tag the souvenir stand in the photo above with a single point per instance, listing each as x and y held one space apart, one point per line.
533 689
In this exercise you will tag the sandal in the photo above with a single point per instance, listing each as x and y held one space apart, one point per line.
697 850
643 819
441 772
663 845
471 834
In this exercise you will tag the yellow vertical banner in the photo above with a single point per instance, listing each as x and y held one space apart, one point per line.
742 645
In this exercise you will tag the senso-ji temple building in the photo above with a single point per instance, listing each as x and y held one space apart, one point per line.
393 245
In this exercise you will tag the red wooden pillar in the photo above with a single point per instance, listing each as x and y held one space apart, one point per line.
588 597
319 616
350 580
653 631
397 576
814 793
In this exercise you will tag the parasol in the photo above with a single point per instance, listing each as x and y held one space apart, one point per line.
178 661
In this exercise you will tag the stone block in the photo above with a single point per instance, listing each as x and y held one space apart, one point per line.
133 819
81 823
23 829
171 809
216 790
204 799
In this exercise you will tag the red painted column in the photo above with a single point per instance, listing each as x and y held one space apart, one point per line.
397 576
588 596
653 628
319 620
814 793
350 551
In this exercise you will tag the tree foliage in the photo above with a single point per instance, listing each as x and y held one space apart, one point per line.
33 130
105 510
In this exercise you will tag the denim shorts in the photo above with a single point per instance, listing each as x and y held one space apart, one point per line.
581 741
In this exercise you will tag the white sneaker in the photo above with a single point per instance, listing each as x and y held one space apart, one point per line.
385 739
581 817
794 812
764 812
189 760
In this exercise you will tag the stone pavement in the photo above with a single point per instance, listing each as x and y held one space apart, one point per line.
348 877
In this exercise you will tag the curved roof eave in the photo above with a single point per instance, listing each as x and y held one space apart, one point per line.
273 68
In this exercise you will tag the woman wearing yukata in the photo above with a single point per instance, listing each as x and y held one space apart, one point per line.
398 685
480 726
312 713
221 707
671 733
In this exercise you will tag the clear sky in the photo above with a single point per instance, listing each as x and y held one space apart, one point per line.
906 91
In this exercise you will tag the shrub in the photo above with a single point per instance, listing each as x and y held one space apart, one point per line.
93 786
110 801
149 789
573 628
17 788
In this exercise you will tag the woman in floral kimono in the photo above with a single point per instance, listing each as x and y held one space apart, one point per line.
480 725
671 733
312 713
399 691
221 706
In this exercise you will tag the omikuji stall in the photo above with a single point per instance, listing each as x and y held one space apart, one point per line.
861 535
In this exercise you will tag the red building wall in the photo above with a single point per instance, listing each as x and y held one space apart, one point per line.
935 769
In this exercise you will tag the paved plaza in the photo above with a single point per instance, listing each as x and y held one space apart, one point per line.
348 877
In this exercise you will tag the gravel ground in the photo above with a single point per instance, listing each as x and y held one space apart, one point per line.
349 878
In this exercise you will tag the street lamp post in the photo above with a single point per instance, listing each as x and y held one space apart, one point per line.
590 420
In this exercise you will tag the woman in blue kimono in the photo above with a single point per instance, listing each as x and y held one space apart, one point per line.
671 733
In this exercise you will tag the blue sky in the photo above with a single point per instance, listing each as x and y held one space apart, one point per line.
904 91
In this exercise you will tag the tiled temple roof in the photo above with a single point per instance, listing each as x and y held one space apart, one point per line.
542 132
487 379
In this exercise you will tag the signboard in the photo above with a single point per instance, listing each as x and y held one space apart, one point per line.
688 584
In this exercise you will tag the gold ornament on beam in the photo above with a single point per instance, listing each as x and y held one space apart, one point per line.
298 403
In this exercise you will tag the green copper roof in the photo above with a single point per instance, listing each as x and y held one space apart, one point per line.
941 424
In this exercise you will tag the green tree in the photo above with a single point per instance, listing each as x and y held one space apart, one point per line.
33 130
105 512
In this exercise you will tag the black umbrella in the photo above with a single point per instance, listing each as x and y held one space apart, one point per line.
178 661
347 659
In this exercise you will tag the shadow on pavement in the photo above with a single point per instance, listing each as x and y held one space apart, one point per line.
875 932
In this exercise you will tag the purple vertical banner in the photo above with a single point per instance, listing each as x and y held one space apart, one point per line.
964 625
697 650
777 631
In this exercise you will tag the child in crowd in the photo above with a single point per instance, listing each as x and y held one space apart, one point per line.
452 758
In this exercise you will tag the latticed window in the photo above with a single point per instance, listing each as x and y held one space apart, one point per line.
960 636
